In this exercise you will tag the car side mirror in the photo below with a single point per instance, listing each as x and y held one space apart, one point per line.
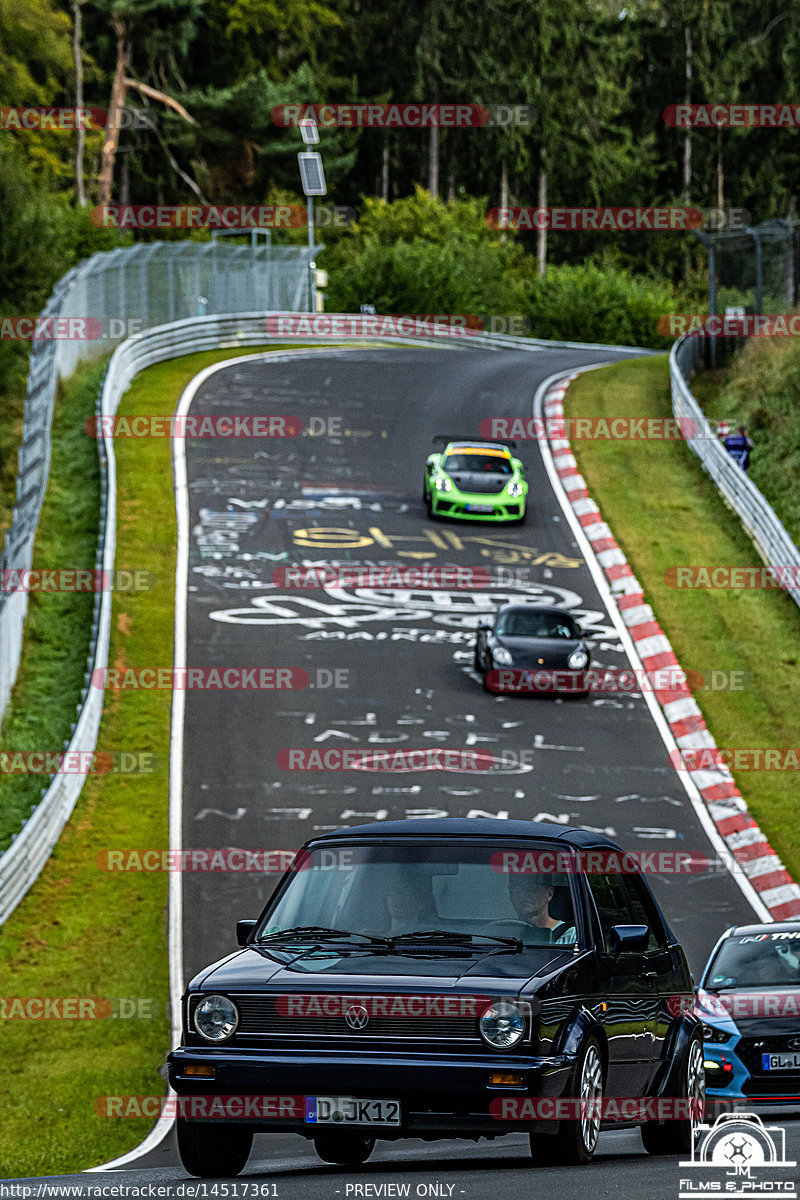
243 931
630 938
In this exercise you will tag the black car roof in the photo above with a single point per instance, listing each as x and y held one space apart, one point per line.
477 827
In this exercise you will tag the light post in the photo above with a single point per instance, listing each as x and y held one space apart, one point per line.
312 175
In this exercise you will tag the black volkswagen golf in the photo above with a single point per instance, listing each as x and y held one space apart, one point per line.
440 979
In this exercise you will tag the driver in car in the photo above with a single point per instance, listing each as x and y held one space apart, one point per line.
531 896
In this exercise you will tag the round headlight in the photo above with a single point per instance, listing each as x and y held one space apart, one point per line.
502 1025
443 484
216 1018
515 488
502 656
578 659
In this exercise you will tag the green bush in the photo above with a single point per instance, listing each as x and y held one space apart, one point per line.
420 255
762 392
590 303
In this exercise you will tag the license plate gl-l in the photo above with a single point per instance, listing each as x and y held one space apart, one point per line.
781 1062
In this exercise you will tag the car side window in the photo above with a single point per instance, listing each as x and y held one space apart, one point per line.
643 911
611 902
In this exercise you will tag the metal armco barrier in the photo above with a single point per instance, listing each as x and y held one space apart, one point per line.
758 516
126 290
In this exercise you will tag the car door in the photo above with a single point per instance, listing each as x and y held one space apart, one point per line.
662 963
629 1015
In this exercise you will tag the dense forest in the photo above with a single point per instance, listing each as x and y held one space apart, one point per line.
199 82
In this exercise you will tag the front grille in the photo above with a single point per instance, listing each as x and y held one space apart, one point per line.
480 487
260 1016
750 1050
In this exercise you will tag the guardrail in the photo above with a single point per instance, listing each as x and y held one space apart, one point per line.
21 864
759 518
118 292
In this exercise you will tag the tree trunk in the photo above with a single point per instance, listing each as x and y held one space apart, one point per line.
77 30
504 183
433 162
385 170
541 233
687 144
720 176
119 90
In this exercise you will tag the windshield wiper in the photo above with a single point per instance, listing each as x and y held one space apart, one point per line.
319 933
459 938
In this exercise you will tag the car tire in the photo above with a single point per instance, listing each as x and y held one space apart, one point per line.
676 1137
213 1151
576 1141
345 1149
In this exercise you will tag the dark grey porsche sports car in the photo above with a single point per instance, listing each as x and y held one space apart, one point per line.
531 648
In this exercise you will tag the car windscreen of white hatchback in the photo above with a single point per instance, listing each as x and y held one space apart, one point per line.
449 893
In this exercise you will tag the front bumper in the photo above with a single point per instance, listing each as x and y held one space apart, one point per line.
738 1083
455 504
440 1095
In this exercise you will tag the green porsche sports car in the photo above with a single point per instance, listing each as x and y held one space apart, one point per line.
475 480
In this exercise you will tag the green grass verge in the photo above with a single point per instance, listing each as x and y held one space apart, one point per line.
58 625
665 512
81 931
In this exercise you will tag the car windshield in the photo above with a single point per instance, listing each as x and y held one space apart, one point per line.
391 891
756 960
478 462
519 623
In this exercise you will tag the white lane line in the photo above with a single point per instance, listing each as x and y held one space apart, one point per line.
175 891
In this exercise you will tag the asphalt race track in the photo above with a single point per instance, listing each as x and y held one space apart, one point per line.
351 494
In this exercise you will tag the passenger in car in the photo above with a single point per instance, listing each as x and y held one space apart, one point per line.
531 896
